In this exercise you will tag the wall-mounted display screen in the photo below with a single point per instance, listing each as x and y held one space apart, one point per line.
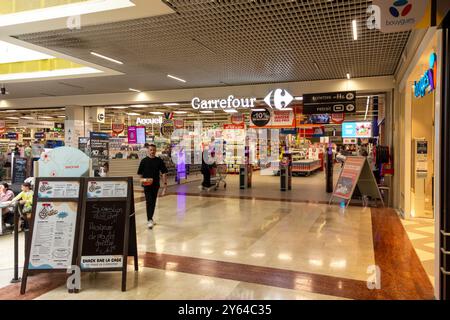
357 130
140 135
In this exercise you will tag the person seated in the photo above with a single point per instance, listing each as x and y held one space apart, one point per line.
25 199
6 195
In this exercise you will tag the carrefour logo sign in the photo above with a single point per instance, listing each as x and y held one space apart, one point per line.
427 83
276 99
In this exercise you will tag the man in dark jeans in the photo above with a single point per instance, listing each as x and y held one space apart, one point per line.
150 169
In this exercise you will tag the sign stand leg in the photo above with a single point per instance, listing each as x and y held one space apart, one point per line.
16 278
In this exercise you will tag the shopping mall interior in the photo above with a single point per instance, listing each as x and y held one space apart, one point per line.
304 145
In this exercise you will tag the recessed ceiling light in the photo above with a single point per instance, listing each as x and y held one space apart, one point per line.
61 11
119 107
139 106
176 78
206 111
230 110
299 98
134 90
28 118
348 76
106 58
133 114
157 113
45 117
180 112
61 116
355 30
171 104
13 118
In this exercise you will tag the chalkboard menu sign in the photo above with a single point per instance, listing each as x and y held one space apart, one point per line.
55 227
104 233
19 170
108 226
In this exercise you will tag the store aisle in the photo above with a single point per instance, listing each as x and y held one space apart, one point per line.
304 189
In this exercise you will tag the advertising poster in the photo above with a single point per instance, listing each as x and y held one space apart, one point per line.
107 189
349 177
357 130
99 152
59 189
132 136
279 120
53 235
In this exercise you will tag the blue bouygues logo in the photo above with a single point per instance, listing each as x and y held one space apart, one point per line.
400 8
278 99
427 83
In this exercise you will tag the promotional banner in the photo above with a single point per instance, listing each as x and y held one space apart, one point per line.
279 120
117 128
349 177
238 119
230 126
132 136
178 123
12 136
337 118
260 118
39 135
59 189
167 128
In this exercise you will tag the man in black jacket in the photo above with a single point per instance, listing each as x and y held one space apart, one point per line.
150 170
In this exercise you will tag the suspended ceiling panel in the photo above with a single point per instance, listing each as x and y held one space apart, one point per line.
212 43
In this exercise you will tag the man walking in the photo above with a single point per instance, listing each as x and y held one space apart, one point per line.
150 169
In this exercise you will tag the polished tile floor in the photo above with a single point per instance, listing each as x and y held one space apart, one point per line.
228 248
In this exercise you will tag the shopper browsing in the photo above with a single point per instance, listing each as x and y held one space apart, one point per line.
150 169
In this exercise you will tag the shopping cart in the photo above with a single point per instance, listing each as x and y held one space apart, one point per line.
218 176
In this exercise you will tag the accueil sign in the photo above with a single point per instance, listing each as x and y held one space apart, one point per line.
276 99
427 83
149 121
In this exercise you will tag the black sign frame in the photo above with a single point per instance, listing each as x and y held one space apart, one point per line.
130 239
28 245
330 102
14 173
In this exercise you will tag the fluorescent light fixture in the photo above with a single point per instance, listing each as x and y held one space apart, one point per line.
9 110
68 10
106 58
206 111
133 114
230 110
367 107
134 90
28 118
61 116
48 74
355 30
119 107
180 112
171 104
299 98
176 78
348 76
45 117
10 53
13 118
256 110
157 113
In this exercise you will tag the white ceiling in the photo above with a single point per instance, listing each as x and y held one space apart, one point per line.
224 43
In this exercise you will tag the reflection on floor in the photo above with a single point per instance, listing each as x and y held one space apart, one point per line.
305 189
225 248
421 234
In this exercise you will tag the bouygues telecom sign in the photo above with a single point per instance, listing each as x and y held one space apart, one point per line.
278 99
427 82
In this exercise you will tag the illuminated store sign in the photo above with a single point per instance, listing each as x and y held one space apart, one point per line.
148 121
427 83
277 99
